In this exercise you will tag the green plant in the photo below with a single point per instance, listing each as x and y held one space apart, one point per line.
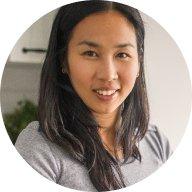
16 121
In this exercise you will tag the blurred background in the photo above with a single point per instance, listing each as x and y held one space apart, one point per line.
168 82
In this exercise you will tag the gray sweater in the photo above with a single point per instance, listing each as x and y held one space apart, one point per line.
57 165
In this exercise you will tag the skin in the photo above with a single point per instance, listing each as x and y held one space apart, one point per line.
103 52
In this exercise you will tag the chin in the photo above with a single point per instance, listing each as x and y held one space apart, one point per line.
106 110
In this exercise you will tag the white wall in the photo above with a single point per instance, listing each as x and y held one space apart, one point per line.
167 75
19 81
168 82
35 37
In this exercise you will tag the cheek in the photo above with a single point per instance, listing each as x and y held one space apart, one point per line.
77 77
128 77
80 74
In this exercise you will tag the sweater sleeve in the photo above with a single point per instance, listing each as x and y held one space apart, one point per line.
166 149
158 143
34 148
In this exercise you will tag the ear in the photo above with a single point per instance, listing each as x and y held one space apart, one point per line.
138 70
64 66
137 75
64 70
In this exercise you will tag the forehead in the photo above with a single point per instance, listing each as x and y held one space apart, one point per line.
105 28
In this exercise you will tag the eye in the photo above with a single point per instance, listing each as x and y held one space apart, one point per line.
90 53
123 55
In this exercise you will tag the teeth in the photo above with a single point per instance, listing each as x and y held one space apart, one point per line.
110 92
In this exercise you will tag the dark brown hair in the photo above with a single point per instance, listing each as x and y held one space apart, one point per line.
64 117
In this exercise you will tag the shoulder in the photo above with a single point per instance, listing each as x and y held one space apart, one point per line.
31 138
157 143
30 132
37 151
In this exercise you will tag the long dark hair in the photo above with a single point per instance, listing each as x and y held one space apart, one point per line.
66 120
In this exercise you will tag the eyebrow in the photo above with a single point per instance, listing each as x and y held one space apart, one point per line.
93 44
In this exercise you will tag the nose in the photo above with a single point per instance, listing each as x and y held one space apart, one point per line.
107 70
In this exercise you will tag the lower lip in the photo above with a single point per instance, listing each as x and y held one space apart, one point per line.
106 97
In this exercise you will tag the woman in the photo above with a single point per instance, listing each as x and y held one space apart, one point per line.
93 131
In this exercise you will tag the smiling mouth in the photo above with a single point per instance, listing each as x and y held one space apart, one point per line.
106 92
106 95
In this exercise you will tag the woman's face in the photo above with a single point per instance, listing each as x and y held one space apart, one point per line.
103 60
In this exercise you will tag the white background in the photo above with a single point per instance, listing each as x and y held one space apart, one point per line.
16 17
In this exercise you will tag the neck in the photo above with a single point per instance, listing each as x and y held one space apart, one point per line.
107 123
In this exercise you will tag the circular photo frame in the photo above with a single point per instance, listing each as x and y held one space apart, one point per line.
95 96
